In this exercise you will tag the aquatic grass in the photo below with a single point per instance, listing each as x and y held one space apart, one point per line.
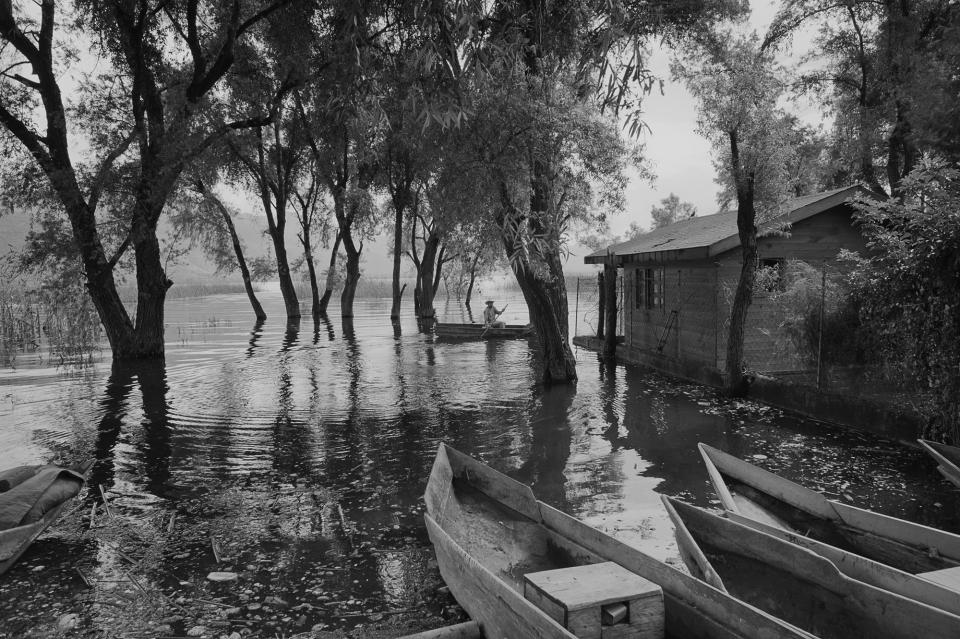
61 322
128 293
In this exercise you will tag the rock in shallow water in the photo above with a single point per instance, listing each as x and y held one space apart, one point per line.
222 576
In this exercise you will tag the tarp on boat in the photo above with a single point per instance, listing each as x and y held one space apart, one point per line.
27 493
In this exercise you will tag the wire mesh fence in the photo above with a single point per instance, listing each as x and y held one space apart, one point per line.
585 309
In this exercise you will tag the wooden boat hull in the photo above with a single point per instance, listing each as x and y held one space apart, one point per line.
797 585
760 495
489 530
948 458
15 541
479 331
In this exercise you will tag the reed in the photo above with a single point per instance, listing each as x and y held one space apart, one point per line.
61 323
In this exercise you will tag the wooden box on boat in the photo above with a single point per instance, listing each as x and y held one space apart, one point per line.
489 531
598 601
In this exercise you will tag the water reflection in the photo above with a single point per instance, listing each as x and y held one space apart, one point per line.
306 456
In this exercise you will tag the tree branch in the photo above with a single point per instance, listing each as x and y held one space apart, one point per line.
97 187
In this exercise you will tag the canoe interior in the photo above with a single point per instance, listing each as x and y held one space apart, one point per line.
480 518
768 498
804 589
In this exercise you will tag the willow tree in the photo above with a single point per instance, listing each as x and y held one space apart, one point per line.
152 111
737 85
596 52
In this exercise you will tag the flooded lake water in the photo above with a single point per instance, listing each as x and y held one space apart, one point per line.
296 457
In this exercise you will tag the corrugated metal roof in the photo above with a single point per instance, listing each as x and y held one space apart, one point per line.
703 232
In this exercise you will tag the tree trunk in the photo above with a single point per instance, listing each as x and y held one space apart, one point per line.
312 272
425 276
152 285
397 249
544 291
237 251
610 307
351 278
737 382
287 288
331 276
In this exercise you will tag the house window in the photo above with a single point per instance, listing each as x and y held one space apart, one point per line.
770 275
653 288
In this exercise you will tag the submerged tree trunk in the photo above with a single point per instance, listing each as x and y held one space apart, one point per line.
331 276
426 270
312 272
397 249
737 382
351 277
544 291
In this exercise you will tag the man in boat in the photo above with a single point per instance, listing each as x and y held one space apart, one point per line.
490 315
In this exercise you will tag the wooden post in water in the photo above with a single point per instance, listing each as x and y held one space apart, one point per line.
610 284
601 305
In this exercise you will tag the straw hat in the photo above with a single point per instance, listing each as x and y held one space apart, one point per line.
489 301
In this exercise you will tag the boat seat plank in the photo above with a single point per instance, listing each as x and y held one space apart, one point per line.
949 577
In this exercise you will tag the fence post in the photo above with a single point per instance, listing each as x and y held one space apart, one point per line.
601 304
823 295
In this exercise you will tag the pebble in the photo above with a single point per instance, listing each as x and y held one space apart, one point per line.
68 622
196 631
222 576
276 602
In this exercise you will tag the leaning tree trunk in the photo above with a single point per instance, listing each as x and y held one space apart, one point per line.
737 384
331 276
312 272
237 251
287 288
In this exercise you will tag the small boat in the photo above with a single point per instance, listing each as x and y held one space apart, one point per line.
31 498
497 546
797 585
947 456
762 496
481 331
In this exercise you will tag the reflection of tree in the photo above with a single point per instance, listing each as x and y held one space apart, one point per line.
255 337
291 438
325 322
113 405
608 398
155 447
549 445
665 428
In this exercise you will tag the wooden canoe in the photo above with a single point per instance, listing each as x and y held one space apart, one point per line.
948 458
762 496
489 531
797 585
480 331
16 540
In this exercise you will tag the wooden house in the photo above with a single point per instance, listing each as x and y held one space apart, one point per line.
679 280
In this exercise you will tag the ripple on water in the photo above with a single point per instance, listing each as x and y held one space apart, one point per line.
303 452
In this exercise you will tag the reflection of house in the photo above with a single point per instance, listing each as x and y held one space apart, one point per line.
678 283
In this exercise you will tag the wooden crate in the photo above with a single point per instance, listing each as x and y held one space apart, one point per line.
578 597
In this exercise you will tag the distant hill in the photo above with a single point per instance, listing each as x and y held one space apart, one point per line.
195 268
